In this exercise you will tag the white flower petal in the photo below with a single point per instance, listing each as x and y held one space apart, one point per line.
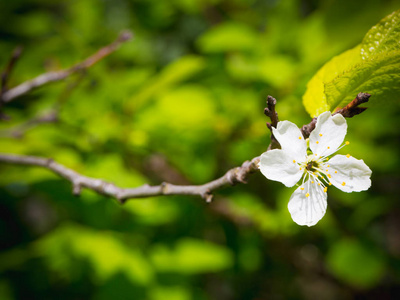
278 165
308 206
353 175
328 134
291 140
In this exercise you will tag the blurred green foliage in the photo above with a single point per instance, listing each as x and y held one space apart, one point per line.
183 102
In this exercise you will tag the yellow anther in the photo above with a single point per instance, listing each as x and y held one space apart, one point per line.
294 161
319 183
329 147
316 154
312 181
330 183
302 188
325 189
348 155
301 169
299 137
327 170
335 172
307 195
327 158
317 142
320 134
347 142
329 175
328 166
343 183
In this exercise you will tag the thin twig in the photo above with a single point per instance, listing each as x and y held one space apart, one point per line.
350 110
270 112
5 76
49 77
43 117
20 130
232 177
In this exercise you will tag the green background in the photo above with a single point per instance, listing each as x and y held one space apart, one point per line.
183 102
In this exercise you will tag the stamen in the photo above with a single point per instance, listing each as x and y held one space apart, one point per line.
319 183
348 155
325 189
327 170
316 154
307 195
299 137
312 181
328 166
335 172
320 134
329 147
294 161
330 183
317 142
329 175
343 183
347 143
302 188
301 169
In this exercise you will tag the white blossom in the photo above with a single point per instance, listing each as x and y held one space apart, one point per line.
309 163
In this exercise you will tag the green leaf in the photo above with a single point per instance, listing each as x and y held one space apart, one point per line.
378 75
105 251
176 72
383 37
228 36
191 256
356 264
315 99
372 67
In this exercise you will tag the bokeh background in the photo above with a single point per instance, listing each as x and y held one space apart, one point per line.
183 102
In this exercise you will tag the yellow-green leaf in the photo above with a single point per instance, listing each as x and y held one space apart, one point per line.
315 99
371 67
378 75
383 37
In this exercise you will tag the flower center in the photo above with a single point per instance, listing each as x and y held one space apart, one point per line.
312 165
317 170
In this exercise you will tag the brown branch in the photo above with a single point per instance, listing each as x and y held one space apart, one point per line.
350 110
10 66
270 112
232 177
49 77
6 75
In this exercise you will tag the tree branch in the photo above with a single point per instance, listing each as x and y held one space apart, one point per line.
10 66
350 110
270 112
49 77
232 177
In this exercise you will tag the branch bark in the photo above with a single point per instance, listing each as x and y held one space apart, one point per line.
79 181
49 77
